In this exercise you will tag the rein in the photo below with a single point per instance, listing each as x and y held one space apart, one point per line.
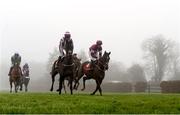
98 66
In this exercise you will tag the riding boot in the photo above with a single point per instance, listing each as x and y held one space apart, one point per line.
10 71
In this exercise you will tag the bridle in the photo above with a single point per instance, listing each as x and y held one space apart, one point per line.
102 65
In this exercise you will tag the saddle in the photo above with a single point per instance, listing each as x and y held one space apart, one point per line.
87 66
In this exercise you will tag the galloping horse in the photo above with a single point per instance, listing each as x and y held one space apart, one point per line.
25 79
15 76
97 73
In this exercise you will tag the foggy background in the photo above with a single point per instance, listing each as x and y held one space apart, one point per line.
33 28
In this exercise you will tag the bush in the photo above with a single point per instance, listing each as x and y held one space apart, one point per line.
170 86
140 86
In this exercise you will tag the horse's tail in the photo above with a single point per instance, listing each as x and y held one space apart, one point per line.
53 67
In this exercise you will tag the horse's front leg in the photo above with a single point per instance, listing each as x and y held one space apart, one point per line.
100 90
97 87
60 83
64 87
10 86
70 81
26 89
15 86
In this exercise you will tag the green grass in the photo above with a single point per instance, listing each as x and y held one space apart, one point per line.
110 103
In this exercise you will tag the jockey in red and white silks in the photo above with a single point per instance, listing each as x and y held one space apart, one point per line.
95 51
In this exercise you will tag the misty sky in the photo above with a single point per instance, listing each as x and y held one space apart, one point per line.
34 27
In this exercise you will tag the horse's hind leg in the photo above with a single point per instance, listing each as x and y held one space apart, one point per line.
84 80
53 79
80 75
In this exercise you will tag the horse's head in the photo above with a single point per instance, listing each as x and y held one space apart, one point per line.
69 47
104 60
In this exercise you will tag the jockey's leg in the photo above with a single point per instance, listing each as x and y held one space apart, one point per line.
93 63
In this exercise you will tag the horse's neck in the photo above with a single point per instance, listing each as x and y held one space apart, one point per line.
100 63
67 60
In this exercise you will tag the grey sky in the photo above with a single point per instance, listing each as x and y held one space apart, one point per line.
34 27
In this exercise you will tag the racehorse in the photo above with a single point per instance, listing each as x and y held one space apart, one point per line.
66 70
15 76
25 79
97 73
65 67
54 72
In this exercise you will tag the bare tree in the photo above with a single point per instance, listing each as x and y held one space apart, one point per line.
174 62
136 73
156 52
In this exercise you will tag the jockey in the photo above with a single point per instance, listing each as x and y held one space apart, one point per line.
15 59
95 52
25 67
62 45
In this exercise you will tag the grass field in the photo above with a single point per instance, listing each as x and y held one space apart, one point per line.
110 103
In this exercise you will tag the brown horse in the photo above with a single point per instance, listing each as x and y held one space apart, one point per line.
15 77
66 70
97 73
66 67
25 79
55 69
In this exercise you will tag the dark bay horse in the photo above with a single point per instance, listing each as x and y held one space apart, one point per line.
15 77
25 79
97 73
66 70
55 71
66 67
